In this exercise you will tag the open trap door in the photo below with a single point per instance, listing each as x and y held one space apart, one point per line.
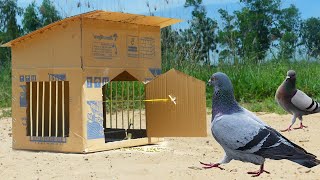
186 117
124 109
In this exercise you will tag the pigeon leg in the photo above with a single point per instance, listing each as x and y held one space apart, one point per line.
293 121
288 129
301 126
260 171
210 165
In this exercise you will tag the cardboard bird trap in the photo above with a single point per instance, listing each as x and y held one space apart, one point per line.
93 82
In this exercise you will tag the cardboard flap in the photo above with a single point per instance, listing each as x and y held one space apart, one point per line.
186 118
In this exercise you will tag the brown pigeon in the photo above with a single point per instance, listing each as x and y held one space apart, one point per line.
295 101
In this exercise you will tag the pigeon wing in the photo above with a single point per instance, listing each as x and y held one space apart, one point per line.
237 130
304 102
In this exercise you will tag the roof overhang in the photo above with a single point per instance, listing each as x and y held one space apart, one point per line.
107 16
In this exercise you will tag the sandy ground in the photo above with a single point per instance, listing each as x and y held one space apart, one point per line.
175 158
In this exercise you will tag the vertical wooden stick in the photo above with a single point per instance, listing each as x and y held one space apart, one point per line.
63 125
122 98
116 104
140 103
42 124
56 109
132 104
37 115
31 102
111 104
50 101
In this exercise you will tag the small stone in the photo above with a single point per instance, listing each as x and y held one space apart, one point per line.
86 159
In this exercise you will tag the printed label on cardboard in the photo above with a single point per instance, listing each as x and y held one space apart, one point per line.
57 77
89 82
23 96
97 82
155 71
21 78
105 80
48 139
105 47
95 128
132 46
147 47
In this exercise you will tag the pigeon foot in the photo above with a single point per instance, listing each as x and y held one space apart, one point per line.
301 126
260 171
210 165
288 129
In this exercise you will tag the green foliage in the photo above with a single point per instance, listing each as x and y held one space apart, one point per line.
228 37
256 21
5 113
9 29
49 13
31 20
257 84
289 26
5 85
200 39
311 36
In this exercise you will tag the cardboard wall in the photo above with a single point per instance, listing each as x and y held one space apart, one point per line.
75 141
57 47
185 119
118 45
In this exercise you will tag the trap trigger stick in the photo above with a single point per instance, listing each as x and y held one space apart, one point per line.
173 99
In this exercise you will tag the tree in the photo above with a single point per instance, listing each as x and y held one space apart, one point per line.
201 37
9 29
289 26
48 12
31 20
310 33
228 38
256 23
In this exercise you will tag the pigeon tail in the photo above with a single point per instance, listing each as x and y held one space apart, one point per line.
308 161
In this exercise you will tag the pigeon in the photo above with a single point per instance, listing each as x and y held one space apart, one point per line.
245 137
294 101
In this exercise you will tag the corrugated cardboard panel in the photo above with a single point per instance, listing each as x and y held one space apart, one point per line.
102 15
100 145
75 141
119 45
185 119
56 47
133 18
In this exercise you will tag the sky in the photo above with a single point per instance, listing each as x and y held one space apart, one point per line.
166 8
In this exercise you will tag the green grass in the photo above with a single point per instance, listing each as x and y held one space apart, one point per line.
5 86
5 113
254 85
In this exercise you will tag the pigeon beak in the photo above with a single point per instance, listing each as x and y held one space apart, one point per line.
288 77
209 82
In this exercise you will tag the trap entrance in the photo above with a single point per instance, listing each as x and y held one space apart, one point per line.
124 110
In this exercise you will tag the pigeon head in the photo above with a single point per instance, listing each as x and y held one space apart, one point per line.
291 75
221 81
290 81
223 100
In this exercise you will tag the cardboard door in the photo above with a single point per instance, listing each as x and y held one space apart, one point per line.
186 118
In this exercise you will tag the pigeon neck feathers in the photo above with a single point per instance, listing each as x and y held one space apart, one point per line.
223 102
289 86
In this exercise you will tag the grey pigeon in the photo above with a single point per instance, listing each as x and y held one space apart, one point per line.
244 137
295 101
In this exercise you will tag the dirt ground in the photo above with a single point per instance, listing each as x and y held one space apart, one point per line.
175 158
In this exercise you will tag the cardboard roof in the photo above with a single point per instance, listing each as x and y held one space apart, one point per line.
104 15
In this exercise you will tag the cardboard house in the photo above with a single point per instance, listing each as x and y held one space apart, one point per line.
93 82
